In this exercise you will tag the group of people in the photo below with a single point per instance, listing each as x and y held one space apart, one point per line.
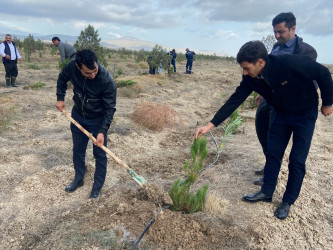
286 81
189 56
10 57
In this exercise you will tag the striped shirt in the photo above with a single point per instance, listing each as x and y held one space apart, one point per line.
285 48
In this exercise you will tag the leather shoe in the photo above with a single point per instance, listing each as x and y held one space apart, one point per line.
259 181
73 186
259 172
94 194
259 196
282 211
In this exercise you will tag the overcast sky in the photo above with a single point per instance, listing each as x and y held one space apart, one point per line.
212 25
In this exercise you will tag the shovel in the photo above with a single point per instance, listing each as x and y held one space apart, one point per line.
139 179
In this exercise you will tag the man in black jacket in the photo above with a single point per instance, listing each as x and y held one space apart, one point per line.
284 26
94 106
286 82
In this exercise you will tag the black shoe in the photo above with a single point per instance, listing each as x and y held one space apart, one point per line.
14 85
73 186
282 211
260 196
259 181
94 194
259 172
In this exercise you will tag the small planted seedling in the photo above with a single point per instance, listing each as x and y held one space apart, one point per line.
180 192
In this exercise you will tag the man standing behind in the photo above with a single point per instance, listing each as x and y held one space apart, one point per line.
189 55
94 106
66 50
10 56
284 25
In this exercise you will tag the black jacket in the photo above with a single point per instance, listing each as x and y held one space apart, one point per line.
287 86
92 98
302 48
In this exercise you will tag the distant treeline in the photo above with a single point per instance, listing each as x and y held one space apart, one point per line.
29 45
141 55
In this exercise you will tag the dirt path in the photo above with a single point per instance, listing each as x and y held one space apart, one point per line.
35 167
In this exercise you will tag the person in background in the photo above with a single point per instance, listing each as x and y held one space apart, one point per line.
66 50
284 25
10 56
286 82
173 60
94 106
189 56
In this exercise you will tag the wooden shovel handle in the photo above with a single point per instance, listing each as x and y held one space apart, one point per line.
120 162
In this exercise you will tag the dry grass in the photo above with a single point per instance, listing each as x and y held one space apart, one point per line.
215 205
156 116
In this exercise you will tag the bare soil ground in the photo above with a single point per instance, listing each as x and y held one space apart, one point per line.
36 166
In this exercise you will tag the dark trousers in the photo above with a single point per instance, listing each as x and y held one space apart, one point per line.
189 66
11 69
262 122
281 129
80 141
151 71
174 66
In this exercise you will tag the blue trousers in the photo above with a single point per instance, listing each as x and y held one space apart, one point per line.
301 126
174 66
189 66
80 142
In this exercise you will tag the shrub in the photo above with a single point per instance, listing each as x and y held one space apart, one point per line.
37 85
183 199
156 116
158 58
124 83
36 66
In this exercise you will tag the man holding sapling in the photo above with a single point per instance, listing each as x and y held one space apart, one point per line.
286 82
94 106
284 25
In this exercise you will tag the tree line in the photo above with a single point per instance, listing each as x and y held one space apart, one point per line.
89 39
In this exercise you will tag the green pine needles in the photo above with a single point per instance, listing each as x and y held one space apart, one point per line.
183 199
235 121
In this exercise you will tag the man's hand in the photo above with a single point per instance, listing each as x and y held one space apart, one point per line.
20 59
203 130
7 57
258 99
99 140
60 105
326 110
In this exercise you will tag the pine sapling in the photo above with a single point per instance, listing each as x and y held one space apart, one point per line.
183 199
235 121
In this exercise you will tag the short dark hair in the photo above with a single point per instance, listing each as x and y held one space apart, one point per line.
55 39
287 17
86 57
251 52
